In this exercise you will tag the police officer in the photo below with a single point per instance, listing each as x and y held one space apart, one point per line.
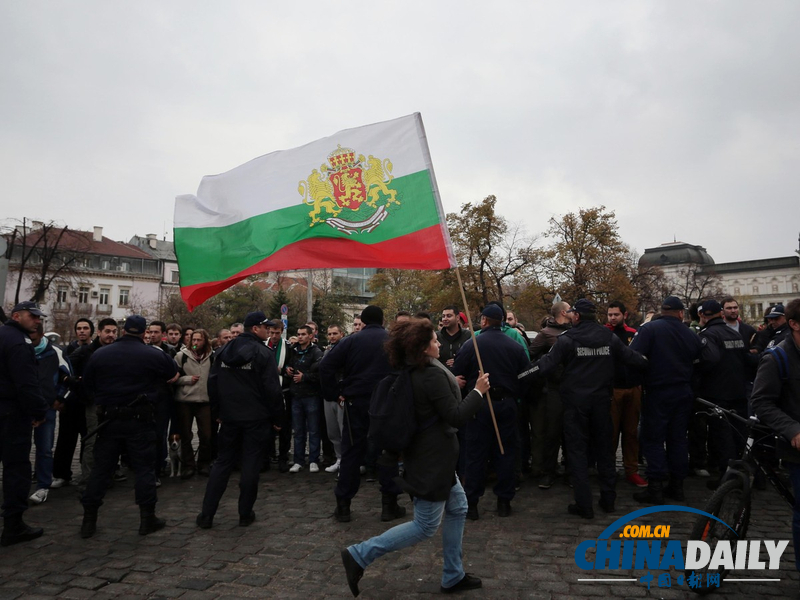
589 353
124 377
348 374
245 392
724 382
503 359
776 402
671 349
21 406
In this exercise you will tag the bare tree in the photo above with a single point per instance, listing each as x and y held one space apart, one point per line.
45 252
694 282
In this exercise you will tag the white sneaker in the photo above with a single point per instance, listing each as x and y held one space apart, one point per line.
158 482
58 482
296 468
702 473
38 496
362 469
334 467
313 468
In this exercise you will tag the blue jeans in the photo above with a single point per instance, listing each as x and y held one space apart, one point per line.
44 437
427 517
305 418
794 476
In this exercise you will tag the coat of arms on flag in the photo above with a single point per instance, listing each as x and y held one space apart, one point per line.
343 185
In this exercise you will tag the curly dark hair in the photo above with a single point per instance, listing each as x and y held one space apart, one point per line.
408 341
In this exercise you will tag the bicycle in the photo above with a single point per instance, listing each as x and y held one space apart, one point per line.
731 500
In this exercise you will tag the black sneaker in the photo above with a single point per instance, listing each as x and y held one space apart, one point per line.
472 512
245 520
204 521
606 505
503 507
576 510
546 482
352 570
469 582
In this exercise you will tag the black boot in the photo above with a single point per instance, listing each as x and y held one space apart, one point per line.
89 525
607 502
149 522
15 531
472 511
674 490
342 513
652 494
391 510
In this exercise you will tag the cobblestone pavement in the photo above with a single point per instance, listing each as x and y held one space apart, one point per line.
292 550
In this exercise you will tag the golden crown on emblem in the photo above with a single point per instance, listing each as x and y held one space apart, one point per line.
342 157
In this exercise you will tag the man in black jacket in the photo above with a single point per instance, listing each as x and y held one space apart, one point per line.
776 402
502 358
724 382
21 407
348 374
245 392
123 379
730 312
589 353
303 371
451 336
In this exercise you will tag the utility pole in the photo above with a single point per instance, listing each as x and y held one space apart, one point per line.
309 295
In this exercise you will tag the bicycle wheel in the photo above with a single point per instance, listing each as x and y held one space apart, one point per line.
731 504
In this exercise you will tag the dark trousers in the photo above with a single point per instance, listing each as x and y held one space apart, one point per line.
665 418
188 413
729 438
700 443
71 424
138 439
247 440
354 448
482 446
587 432
547 431
284 435
15 450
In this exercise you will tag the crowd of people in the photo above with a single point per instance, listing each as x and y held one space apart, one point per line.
537 408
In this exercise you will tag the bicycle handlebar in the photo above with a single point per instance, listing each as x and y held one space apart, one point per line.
752 422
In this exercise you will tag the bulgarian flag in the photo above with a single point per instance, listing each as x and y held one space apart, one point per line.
364 197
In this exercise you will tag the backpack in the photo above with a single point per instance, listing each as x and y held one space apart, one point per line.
392 419
779 354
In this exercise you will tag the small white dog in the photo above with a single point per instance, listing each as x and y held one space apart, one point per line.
175 455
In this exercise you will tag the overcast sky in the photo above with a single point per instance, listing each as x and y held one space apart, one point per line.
682 117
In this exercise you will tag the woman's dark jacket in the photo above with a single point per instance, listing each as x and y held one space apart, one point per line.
430 460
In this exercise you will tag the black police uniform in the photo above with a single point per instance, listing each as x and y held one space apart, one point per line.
117 375
672 350
503 359
352 369
724 382
245 391
21 402
590 354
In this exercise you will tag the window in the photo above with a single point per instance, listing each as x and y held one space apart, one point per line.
61 294
737 291
125 266
176 277
755 289
105 264
83 295
105 293
774 289
124 297
795 287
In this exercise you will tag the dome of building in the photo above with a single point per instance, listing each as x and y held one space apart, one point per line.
675 253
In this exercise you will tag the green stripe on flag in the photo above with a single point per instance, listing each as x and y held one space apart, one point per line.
215 253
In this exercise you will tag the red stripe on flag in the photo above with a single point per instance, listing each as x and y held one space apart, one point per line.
423 249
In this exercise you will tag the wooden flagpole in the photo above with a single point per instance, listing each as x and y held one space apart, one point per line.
478 356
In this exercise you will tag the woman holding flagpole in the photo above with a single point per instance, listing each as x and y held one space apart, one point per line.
429 461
